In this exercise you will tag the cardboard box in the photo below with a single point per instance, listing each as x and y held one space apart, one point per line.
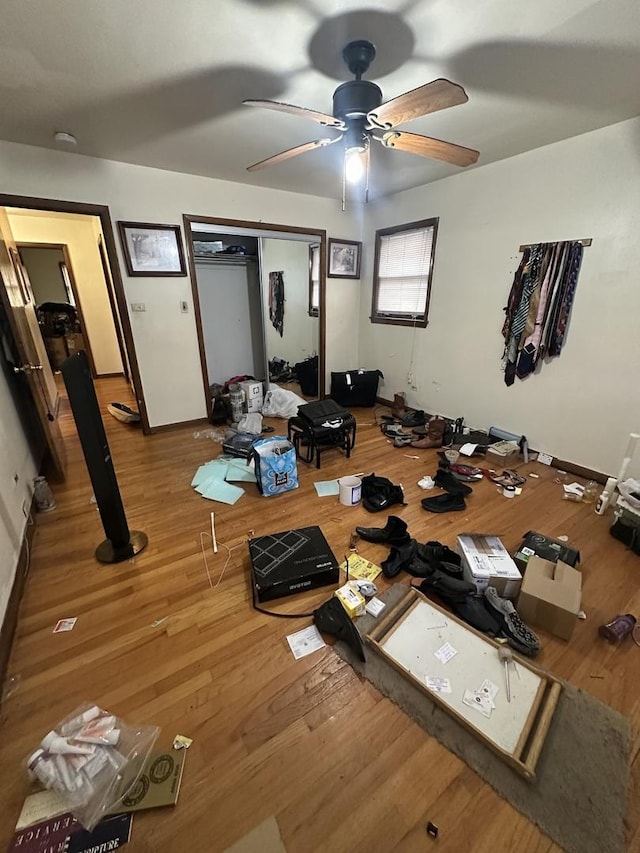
57 351
253 396
545 547
486 562
254 404
550 596
75 342
252 390
502 454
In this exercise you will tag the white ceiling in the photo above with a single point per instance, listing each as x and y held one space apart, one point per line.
161 82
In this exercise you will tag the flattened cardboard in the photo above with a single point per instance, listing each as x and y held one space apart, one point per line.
550 596
486 562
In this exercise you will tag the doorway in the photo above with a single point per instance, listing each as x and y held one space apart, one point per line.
18 303
87 233
58 306
224 251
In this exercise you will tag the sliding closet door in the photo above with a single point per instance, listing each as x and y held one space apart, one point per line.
229 296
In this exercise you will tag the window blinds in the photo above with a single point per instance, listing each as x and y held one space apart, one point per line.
403 272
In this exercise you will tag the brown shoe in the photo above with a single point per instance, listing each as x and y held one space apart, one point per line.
433 438
398 409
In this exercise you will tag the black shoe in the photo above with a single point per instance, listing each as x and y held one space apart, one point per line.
449 589
444 503
445 480
400 556
472 611
394 532
412 419
334 620
435 552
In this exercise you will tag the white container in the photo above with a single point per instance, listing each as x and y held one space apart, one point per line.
350 489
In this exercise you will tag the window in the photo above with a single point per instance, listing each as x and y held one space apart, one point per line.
314 280
403 269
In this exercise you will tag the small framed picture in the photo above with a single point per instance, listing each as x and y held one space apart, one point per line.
344 259
152 249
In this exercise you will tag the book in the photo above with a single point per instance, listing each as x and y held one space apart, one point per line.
158 784
63 834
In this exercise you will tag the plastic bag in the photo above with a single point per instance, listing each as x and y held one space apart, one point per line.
93 759
628 489
279 403
275 465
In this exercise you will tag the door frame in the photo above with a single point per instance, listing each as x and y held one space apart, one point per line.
269 229
102 212
27 244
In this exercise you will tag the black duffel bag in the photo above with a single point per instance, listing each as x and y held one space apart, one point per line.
355 387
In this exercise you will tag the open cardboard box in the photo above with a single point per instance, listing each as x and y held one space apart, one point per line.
486 562
550 596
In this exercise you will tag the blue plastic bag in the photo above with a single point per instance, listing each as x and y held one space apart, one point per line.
275 464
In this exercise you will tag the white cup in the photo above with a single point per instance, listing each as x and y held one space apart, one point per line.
350 490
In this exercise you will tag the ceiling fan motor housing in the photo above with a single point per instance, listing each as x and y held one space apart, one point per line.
356 98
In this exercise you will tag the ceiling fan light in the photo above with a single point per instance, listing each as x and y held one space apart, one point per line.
354 165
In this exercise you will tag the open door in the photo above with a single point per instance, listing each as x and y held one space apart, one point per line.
17 299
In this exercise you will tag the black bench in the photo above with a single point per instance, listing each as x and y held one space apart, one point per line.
310 441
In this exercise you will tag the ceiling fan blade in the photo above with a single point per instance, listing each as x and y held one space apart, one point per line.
437 95
293 152
426 146
321 118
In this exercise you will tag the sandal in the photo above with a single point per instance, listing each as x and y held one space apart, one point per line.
507 478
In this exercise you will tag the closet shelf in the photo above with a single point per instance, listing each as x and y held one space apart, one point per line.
225 259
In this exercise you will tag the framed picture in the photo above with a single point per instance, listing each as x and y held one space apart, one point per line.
344 259
152 249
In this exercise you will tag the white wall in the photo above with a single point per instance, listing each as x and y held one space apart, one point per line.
165 339
300 337
15 458
583 404
79 234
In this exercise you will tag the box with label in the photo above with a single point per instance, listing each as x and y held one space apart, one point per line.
550 596
502 454
252 390
545 547
486 562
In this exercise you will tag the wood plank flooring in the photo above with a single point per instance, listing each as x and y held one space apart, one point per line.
338 765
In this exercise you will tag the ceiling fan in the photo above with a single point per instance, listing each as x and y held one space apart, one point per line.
360 116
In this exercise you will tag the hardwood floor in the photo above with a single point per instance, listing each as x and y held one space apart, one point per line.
339 766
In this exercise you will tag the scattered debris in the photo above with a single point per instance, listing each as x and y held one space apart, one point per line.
182 742
65 625
159 622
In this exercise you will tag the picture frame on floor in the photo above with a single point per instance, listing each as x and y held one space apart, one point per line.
344 258
152 250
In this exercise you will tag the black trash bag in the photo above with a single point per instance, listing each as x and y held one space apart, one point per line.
379 493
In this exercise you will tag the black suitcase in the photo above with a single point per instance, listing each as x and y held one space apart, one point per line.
322 412
355 387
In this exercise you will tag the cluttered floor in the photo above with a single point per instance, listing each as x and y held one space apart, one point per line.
286 754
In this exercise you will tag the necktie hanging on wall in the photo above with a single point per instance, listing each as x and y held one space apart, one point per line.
276 301
539 305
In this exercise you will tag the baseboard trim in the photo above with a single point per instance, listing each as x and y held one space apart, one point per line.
10 622
168 427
